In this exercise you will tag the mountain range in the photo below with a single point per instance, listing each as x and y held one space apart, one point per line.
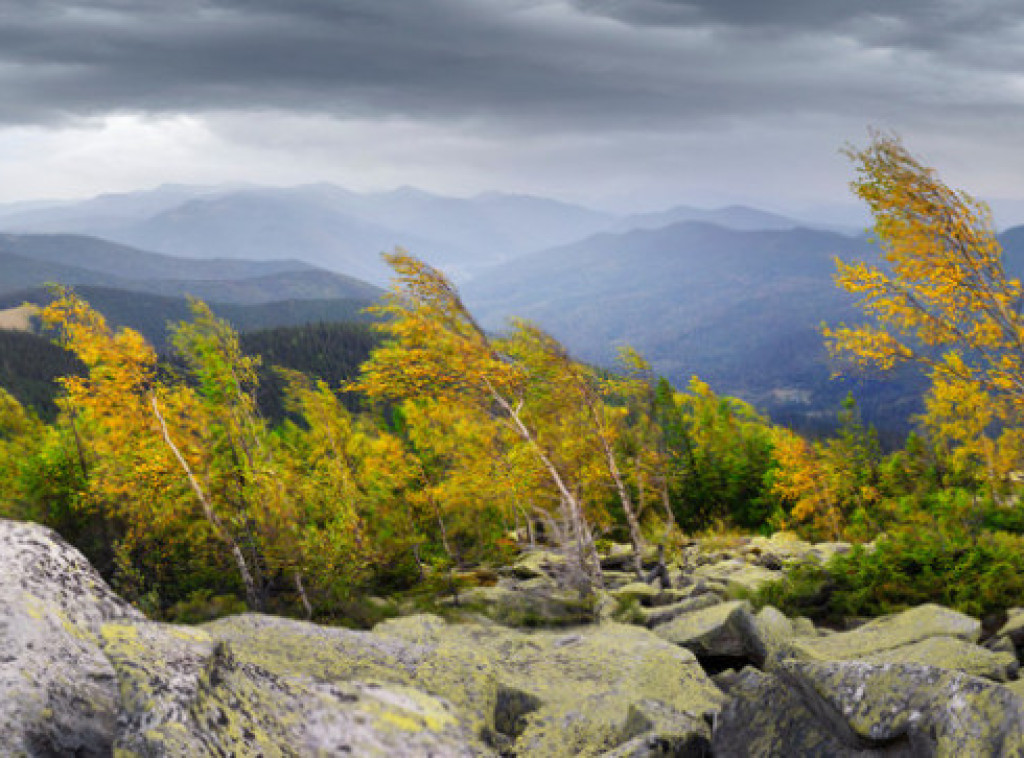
733 295
344 231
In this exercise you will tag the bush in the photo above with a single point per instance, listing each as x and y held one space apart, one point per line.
978 573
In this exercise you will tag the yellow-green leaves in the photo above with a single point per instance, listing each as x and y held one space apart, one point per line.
943 291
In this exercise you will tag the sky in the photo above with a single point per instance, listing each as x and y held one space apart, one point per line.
620 104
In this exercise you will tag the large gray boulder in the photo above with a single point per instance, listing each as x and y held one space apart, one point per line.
725 630
868 709
58 691
187 693
84 674
932 710
766 716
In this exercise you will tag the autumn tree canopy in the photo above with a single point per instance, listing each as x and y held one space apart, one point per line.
944 298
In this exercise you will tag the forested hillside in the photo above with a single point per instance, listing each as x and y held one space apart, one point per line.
467 444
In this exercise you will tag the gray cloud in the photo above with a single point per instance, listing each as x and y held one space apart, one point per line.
553 63
630 91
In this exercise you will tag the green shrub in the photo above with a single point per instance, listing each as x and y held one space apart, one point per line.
202 605
978 573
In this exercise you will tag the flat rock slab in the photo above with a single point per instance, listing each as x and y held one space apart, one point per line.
889 632
953 654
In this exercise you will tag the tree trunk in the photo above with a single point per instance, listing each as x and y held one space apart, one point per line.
253 597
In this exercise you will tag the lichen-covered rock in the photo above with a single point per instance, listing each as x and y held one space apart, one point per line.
726 630
767 717
538 563
533 606
953 654
737 576
652 617
547 693
783 549
1014 627
185 693
935 711
774 632
889 632
641 591
58 692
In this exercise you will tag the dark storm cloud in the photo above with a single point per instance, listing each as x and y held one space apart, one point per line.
578 63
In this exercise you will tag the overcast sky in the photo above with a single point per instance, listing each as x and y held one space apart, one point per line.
635 104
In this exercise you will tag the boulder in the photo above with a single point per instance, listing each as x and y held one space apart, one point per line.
187 693
889 632
767 717
736 576
953 654
929 710
538 563
641 591
587 691
58 692
536 605
414 686
773 633
868 709
725 630
1014 627
652 617
783 549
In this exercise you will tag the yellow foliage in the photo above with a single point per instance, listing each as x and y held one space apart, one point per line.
943 300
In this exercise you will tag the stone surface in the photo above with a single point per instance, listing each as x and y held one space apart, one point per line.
1014 627
953 654
535 605
726 630
888 632
785 548
413 686
768 717
735 576
186 693
538 563
641 591
933 710
58 692
652 617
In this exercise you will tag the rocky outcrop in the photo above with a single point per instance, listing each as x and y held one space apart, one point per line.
58 691
84 674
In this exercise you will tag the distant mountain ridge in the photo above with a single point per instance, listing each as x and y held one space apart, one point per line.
28 261
332 227
322 224
739 309
737 217
735 295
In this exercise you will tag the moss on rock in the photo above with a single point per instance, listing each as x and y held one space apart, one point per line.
889 632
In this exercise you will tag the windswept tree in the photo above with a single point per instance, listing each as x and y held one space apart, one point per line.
944 300
436 350
158 451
